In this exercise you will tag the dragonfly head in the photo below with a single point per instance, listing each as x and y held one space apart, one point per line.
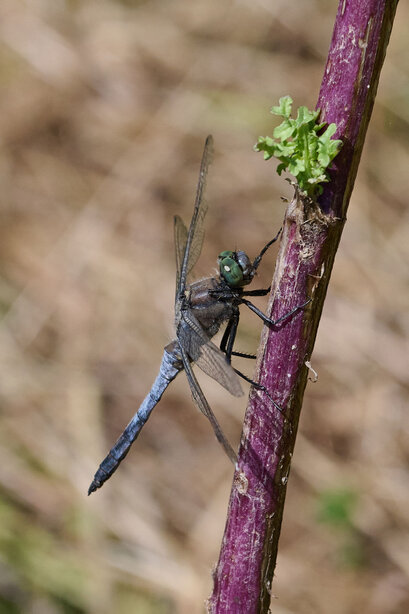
236 268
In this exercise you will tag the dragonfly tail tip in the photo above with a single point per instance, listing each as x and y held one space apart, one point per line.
92 488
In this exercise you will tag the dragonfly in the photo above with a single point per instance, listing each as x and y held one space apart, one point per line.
201 308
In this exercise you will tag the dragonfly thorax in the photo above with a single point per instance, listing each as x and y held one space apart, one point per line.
236 268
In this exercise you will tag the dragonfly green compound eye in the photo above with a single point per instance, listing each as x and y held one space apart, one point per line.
230 269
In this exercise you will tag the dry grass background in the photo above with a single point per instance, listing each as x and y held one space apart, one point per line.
103 113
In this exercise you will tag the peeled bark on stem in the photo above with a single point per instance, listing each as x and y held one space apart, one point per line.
311 233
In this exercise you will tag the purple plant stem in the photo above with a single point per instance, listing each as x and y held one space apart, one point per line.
311 233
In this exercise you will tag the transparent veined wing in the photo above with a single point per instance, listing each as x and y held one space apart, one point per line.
194 240
204 407
180 233
208 357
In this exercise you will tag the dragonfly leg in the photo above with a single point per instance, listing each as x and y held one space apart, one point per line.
261 292
244 355
229 336
259 387
268 320
226 336
258 259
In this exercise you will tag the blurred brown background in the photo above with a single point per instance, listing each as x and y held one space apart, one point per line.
104 109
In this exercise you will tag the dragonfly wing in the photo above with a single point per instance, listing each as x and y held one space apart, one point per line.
195 235
206 354
213 362
197 240
180 233
204 406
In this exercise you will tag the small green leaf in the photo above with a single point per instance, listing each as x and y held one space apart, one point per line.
284 149
281 167
302 146
285 130
296 166
284 108
304 116
330 131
